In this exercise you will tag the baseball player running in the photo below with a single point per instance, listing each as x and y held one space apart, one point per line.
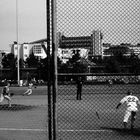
132 103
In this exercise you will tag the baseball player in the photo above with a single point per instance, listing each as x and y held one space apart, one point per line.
29 90
79 88
5 94
132 103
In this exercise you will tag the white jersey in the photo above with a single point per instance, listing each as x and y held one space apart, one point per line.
30 86
131 102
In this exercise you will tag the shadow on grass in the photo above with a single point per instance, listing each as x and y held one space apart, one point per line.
122 131
15 107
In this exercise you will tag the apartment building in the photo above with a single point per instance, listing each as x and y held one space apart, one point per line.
26 49
23 49
85 45
97 47
135 49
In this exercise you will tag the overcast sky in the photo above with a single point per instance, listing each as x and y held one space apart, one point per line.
119 20
31 21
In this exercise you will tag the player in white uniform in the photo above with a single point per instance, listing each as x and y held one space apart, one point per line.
29 90
132 103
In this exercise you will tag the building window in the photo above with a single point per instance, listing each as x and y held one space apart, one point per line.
37 49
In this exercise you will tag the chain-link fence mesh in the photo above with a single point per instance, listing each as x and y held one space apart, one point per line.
89 32
93 28
117 20
93 114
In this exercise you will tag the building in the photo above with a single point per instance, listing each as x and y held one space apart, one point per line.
38 50
97 47
130 49
68 46
105 52
86 45
135 49
26 49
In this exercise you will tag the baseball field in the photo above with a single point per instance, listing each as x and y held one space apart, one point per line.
93 118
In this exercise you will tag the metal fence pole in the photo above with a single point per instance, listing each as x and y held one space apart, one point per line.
48 14
54 56
51 44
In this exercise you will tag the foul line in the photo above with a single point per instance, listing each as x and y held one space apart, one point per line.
21 129
45 130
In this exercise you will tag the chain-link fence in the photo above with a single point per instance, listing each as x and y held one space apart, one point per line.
97 30
87 110
98 48
117 20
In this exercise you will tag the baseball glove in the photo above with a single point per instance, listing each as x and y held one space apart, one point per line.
11 94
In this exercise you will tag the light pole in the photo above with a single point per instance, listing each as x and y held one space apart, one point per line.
18 74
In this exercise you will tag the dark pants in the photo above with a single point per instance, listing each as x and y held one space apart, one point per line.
79 93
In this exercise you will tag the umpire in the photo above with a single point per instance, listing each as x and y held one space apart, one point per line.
79 88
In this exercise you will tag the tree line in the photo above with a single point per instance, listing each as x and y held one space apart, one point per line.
33 67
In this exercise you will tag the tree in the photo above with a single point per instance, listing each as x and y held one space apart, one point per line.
75 57
42 67
32 61
59 62
112 66
9 61
118 52
135 63
75 63
21 63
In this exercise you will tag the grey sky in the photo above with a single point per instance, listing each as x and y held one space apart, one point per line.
119 20
31 21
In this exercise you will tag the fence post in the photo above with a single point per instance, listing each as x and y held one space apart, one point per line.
54 56
48 13
51 44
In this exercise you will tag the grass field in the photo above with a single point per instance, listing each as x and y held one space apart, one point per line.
92 118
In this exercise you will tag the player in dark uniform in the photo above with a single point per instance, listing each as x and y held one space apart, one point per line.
79 88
